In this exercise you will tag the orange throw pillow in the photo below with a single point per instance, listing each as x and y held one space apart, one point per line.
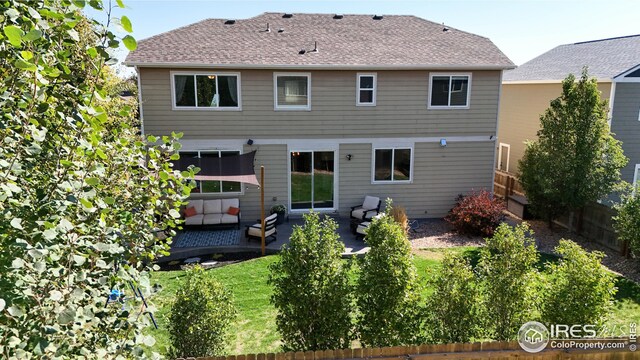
190 211
233 211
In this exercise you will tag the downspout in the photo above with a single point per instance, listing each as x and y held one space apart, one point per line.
140 111
495 141
612 97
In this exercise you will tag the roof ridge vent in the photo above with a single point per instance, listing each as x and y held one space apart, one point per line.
338 16
230 22
606 39
377 17
287 16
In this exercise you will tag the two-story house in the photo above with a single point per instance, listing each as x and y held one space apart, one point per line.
528 90
337 107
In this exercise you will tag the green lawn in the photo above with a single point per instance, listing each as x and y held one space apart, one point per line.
301 187
255 330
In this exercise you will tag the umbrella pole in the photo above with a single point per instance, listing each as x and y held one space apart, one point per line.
262 209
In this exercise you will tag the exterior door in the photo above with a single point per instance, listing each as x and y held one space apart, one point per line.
503 157
312 179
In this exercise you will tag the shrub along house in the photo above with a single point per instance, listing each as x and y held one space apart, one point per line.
337 107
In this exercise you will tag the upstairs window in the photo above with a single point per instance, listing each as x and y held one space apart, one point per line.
208 186
391 165
366 93
292 91
206 91
449 91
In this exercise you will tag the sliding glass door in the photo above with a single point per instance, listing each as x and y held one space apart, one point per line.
312 179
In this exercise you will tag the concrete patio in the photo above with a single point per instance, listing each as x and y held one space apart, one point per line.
353 246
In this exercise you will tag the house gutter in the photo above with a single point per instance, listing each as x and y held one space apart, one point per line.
319 66
556 81
140 101
612 97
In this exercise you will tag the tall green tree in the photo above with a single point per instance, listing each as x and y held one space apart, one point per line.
579 290
311 289
81 201
388 291
575 159
510 280
453 310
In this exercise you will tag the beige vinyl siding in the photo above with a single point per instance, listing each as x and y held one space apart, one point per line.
625 124
401 108
439 175
521 106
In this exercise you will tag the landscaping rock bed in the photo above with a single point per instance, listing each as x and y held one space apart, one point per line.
437 233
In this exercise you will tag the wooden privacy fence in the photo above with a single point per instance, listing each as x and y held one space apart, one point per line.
486 350
506 184
596 218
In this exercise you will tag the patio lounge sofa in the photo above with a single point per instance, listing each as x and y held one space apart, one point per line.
213 213
255 231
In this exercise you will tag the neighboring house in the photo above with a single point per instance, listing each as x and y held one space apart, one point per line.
337 107
528 90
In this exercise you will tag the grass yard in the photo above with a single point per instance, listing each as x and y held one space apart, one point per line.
301 187
255 329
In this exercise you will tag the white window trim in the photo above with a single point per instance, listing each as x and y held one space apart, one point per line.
277 107
172 75
374 90
221 193
444 107
635 176
500 155
373 164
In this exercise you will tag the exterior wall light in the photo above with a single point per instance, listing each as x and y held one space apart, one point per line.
443 142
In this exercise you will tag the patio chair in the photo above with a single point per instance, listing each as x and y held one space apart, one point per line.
255 231
370 207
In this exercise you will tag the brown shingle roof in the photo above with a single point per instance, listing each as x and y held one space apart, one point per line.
353 41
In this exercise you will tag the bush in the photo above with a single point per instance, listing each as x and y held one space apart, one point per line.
509 280
453 307
388 294
311 290
627 221
478 213
399 214
200 316
579 290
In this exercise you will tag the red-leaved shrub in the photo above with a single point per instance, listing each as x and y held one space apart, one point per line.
478 213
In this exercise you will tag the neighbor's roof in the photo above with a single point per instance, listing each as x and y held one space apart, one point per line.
357 41
605 58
